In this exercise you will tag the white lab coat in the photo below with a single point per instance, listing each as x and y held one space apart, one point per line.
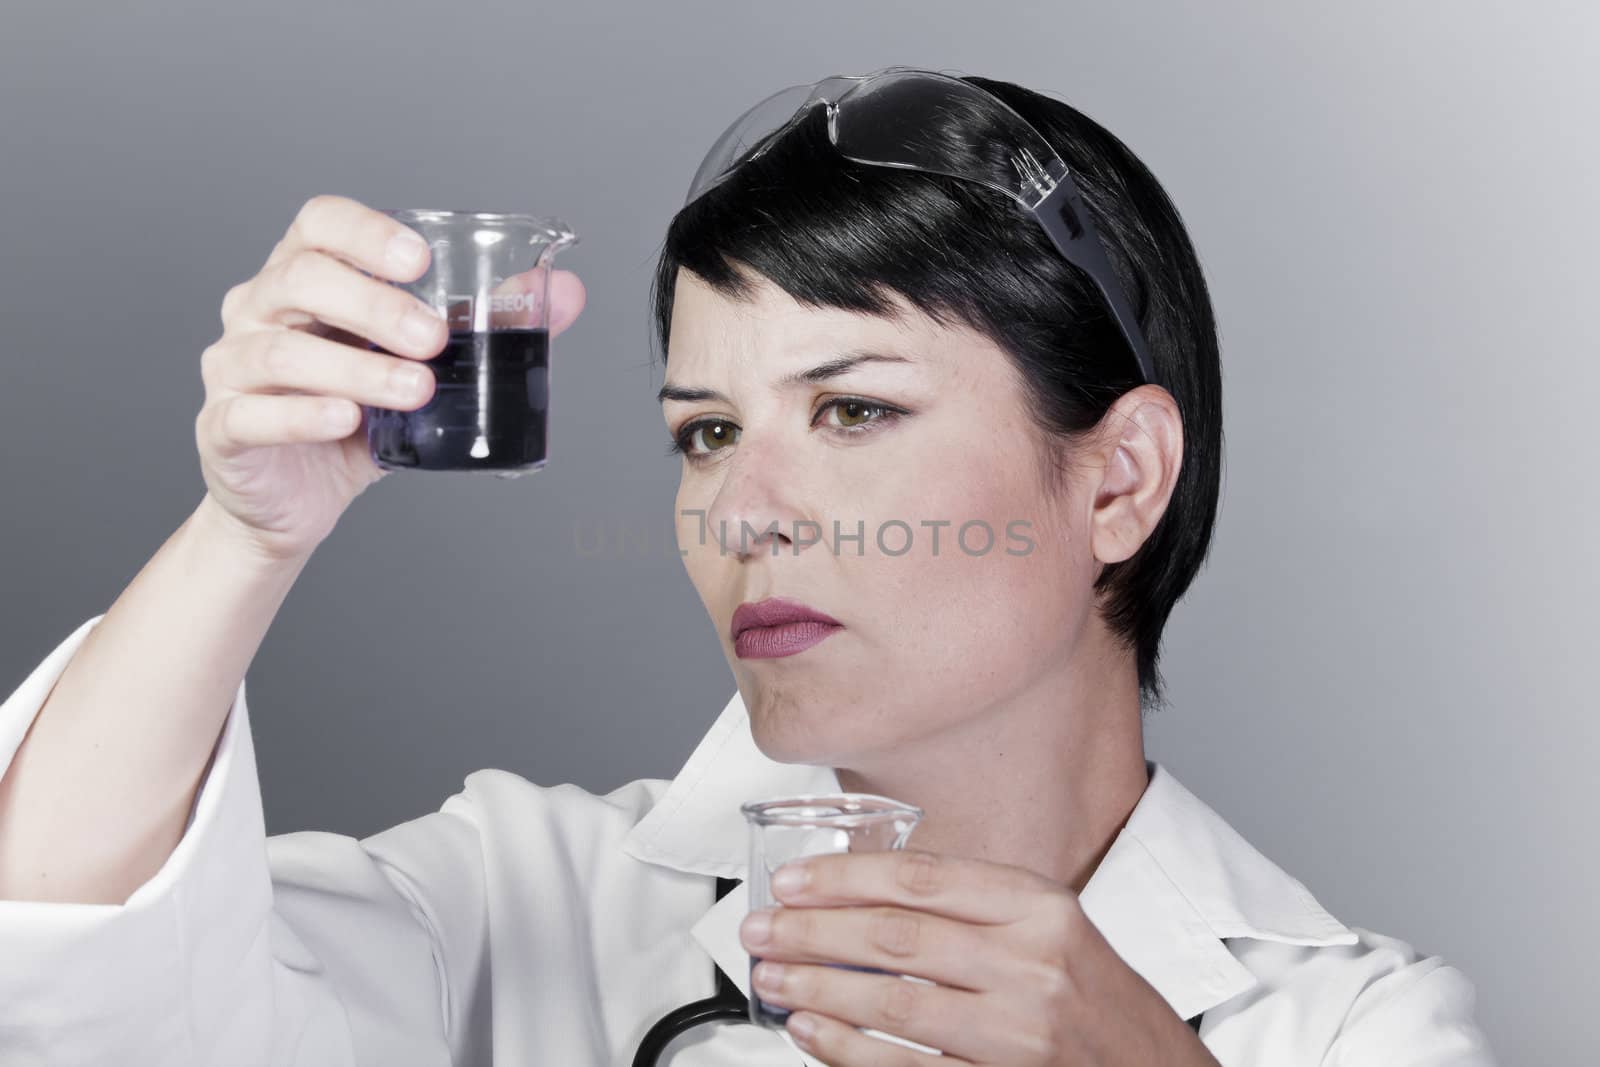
526 925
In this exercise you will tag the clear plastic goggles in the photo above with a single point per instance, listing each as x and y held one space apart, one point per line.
907 117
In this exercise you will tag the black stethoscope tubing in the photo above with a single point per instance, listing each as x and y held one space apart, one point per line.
726 1004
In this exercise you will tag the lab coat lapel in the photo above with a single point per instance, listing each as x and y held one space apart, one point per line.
697 825
1177 880
1146 919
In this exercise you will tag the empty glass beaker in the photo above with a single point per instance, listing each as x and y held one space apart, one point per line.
810 824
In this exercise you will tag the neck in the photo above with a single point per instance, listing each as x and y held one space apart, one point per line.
1045 783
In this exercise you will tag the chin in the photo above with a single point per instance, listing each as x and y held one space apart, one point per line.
790 730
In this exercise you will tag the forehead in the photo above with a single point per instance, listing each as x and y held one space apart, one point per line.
710 329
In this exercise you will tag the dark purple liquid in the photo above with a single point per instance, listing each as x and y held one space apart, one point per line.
487 412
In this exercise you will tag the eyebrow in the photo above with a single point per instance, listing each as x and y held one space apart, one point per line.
820 373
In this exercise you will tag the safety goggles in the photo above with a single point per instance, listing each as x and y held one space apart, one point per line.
907 117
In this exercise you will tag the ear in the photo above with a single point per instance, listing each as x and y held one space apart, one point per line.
1140 448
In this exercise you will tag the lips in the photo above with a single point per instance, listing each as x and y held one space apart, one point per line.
776 611
779 627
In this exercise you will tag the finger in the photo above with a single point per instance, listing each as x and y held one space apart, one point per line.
973 891
835 1042
846 1044
269 360
252 420
897 940
567 297
315 283
363 236
960 1023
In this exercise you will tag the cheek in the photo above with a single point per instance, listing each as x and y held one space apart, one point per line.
938 636
1000 593
696 542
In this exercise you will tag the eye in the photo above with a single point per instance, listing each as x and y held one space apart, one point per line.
855 412
856 417
716 435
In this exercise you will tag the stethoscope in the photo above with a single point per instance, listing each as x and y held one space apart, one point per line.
726 1004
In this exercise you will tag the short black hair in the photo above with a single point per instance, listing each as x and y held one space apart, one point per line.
834 233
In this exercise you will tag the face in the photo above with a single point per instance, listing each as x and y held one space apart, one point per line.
967 584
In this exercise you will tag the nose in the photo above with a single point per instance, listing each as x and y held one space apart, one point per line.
757 507
744 541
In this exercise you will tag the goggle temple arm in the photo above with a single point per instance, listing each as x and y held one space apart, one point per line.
1063 217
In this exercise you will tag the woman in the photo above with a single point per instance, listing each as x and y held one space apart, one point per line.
938 500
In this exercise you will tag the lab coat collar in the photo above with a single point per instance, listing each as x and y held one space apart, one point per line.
1175 882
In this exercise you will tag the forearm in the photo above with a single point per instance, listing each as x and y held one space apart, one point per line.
98 793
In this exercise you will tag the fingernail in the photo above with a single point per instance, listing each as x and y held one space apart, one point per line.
802 1026
406 250
769 976
757 927
420 327
406 381
336 416
790 878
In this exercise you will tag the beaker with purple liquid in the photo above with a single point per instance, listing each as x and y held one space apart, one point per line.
489 278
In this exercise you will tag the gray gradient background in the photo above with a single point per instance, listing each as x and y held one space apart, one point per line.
1376 677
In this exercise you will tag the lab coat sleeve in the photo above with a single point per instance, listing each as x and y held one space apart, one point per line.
306 948
1420 1015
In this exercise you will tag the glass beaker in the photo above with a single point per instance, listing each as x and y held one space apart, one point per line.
489 279
811 824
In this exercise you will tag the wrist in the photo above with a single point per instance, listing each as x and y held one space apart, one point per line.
212 528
